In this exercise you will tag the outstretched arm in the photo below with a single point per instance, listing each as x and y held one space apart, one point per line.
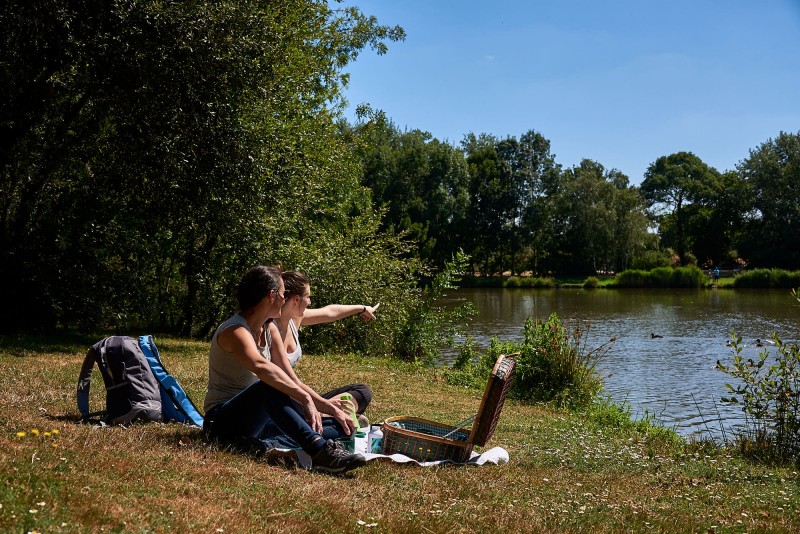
334 312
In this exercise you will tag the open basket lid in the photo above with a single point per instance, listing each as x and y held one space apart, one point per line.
493 398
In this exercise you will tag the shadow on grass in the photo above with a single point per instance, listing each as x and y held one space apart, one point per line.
21 345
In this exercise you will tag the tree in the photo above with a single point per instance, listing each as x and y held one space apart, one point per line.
150 151
421 181
716 219
631 235
672 183
602 220
492 203
511 181
529 162
772 176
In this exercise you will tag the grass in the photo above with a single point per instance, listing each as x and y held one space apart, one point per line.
596 471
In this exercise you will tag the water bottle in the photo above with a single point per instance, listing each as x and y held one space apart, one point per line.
376 440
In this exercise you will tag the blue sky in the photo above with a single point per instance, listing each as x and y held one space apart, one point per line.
621 82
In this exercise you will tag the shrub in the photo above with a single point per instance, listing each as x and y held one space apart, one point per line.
650 259
662 277
543 283
691 276
591 283
770 399
529 282
767 278
427 326
632 278
553 364
755 278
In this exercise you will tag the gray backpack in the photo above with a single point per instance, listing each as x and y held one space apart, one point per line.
132 391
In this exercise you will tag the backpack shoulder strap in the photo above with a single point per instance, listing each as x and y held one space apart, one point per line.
176 404
93 355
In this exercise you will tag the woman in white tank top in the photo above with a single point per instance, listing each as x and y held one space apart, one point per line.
296 312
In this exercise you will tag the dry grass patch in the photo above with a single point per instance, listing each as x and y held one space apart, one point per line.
566 473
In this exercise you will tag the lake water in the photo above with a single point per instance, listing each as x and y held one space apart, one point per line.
672 377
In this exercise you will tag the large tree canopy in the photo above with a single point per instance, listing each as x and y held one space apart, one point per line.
772 176
150 151
422 182
671 184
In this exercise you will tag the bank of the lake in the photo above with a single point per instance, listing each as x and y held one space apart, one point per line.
568 472
673 376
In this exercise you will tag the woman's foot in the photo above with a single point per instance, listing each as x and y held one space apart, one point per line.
334 459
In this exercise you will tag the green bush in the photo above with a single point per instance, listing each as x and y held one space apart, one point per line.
767 278
591 283
662 277
632 278
529 282
426 326
650 259
769 397
553 364
691 276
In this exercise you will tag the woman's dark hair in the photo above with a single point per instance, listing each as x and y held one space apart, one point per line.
256 284
294 282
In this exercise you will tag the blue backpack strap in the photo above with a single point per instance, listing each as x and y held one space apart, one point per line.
176 405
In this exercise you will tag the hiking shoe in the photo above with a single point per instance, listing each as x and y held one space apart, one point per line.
363 422
332 458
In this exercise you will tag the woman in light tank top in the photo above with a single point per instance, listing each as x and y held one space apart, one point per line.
251 404
296 312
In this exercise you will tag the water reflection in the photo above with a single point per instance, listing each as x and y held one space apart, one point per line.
672 377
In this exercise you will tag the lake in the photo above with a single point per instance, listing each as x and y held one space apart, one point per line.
672 377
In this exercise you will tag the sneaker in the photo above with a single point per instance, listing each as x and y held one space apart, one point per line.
363 422
332 458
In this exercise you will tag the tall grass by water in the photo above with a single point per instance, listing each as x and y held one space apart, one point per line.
662 277
532 282
767 278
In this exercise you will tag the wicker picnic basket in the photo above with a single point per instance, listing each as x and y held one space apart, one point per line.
426 440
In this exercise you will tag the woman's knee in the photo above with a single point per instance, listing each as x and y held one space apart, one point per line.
362 393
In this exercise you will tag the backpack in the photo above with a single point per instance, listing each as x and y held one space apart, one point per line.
132 392
138 388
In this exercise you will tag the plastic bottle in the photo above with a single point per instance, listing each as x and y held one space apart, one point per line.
376 440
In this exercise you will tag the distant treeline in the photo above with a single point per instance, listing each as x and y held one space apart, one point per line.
509 205
660 277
